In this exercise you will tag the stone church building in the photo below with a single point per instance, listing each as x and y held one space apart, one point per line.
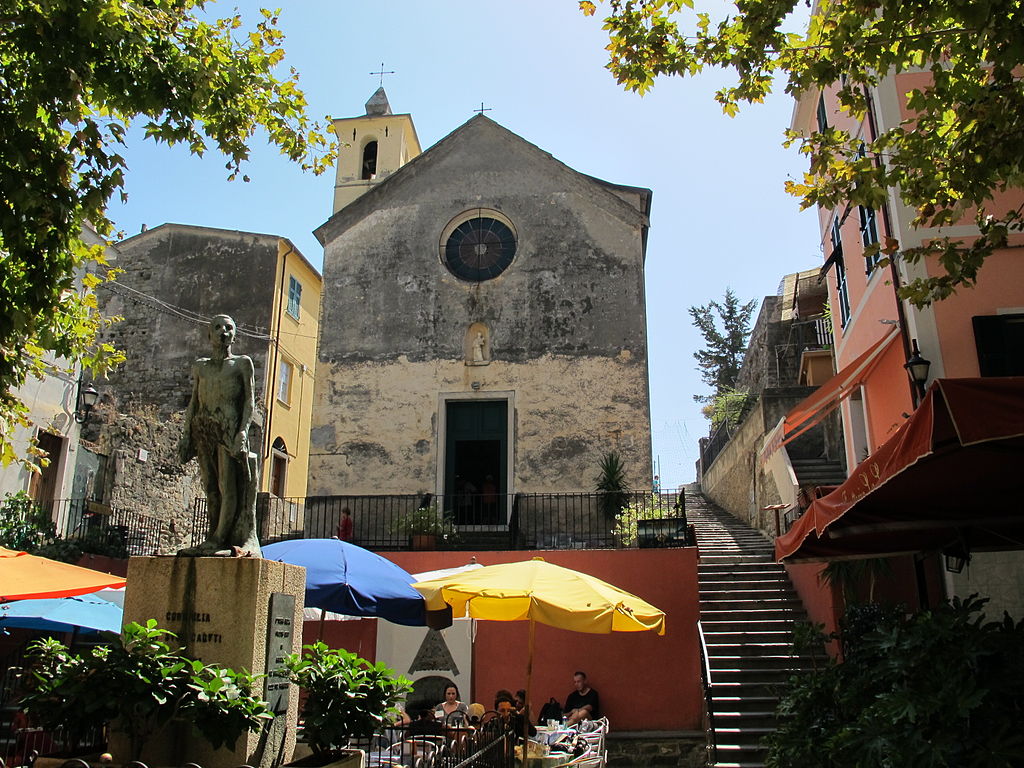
483 321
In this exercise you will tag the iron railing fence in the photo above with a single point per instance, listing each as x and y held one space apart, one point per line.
102 529
715 443
452 747
475 521
24 743
709 700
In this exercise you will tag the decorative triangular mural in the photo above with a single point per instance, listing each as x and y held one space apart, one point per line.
433 655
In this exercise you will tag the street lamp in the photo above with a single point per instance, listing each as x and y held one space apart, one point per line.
86 400
917 368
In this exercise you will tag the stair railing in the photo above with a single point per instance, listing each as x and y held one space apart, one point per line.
709 709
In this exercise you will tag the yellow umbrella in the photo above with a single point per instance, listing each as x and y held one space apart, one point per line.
27 576
536 590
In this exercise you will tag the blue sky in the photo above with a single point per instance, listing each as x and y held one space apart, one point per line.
719 217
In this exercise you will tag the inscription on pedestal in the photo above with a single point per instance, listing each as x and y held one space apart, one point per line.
279 645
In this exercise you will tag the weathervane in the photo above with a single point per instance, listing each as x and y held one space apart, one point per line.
482 109
384 72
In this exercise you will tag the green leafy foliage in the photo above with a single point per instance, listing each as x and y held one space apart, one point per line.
75 75
611 484
346 696
23 525
728 407
949 160
649 507
27 527
940 687
426 521
851 576
725 340
139 685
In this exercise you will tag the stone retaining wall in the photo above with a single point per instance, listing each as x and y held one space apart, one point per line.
640 750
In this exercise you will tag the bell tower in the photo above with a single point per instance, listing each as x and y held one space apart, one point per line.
371 147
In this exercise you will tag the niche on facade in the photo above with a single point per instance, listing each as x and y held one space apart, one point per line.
477 345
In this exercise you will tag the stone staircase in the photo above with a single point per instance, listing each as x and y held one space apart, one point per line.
748 608
811 473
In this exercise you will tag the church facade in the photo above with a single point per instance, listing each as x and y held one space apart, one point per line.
483 326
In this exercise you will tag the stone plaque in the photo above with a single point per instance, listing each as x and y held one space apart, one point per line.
279 645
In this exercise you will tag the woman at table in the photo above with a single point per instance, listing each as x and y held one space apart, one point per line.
450 706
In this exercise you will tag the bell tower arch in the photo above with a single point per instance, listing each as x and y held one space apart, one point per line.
372 147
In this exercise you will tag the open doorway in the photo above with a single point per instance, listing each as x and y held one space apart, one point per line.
476 461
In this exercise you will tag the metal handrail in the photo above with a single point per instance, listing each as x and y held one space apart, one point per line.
709 709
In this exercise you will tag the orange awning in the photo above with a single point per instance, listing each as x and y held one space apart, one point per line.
811 411
950 475
25 576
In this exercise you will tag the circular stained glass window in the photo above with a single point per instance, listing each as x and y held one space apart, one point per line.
478 248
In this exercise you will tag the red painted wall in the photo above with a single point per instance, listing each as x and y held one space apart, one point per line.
646 682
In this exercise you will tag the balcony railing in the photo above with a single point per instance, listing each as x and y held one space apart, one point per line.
475 521
106 530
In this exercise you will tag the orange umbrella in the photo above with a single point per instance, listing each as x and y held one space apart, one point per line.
27 576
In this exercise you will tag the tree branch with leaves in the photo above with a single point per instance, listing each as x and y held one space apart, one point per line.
74 75
948 161
725 326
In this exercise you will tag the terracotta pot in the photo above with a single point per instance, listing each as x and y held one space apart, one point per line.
424 541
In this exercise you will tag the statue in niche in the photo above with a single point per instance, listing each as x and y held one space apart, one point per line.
216 433
479 347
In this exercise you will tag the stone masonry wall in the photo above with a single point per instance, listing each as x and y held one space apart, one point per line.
198 270
565 323
153 483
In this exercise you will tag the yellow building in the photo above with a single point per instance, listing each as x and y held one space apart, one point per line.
288 396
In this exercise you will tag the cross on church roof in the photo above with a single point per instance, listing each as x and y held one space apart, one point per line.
482 109
382 73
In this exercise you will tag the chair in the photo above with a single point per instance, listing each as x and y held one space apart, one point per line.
408 750
594 739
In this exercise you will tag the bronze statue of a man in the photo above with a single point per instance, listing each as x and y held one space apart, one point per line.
217 434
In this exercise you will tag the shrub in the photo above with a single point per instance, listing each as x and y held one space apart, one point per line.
941 687
646 507
611 484
346 696
139 685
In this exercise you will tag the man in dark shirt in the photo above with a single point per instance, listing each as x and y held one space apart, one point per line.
582 703
508 719
425 725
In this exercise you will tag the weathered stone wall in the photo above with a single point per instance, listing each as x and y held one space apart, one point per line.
566 325
758 361
997 576
376 423
738 483
153 483
203 271
641 751
733 479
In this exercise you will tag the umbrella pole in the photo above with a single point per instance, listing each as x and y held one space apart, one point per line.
320 637
529 686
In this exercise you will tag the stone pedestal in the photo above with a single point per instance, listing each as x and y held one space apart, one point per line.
220 609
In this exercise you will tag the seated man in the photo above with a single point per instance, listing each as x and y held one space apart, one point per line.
425 725
508 719
582 703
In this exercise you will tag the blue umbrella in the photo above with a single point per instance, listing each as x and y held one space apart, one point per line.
62 614
344 578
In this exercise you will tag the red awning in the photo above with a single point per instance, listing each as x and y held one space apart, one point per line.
953 473
811 411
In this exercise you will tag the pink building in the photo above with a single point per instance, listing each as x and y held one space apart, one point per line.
977 332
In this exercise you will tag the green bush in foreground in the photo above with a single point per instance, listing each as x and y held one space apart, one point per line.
346 696
941 687
138 684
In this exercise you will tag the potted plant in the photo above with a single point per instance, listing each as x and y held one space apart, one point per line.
612 489
425 526
138 685
346 697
